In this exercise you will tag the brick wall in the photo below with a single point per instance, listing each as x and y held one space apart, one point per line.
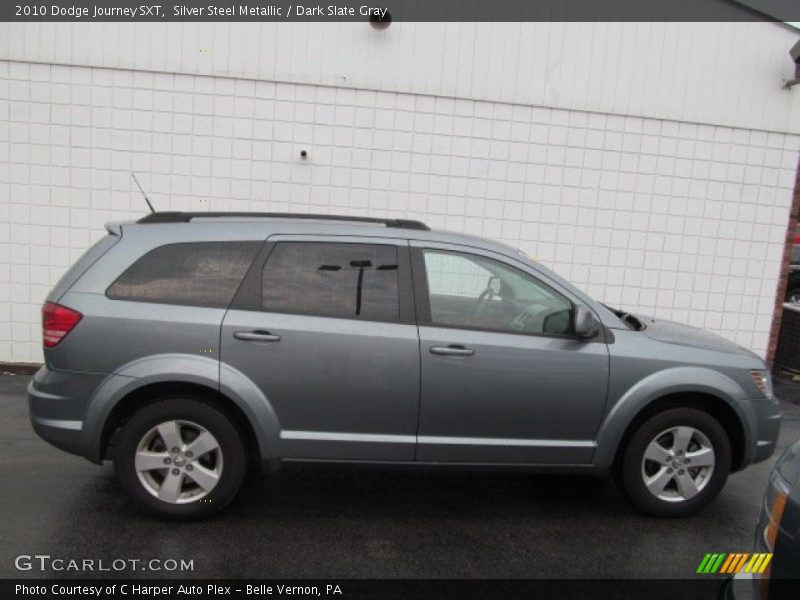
780 294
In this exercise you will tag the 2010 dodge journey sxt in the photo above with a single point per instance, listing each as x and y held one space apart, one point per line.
187 346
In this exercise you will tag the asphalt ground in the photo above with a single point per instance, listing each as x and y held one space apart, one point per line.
362 522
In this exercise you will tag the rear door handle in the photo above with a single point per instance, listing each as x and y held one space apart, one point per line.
452 350
256 336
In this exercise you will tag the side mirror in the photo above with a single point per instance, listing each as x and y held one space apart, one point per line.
586 324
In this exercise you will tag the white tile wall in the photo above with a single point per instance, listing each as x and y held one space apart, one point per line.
676 219
722 73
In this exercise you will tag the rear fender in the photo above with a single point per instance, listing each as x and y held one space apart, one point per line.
181 368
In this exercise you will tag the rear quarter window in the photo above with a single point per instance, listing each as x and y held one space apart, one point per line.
195 274
82 265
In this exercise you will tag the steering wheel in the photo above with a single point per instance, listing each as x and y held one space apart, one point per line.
492 293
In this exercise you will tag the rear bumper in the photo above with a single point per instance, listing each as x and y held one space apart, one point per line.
64 435
57 403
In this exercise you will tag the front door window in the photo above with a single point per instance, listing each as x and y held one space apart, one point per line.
475 292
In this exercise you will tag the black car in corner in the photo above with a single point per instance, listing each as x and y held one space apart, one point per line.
793 283
778 532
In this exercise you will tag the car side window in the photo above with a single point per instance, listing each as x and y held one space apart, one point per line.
344 280
472 291
192 274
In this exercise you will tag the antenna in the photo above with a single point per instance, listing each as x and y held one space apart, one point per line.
146 199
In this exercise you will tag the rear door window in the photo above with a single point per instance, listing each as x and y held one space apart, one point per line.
195 274
329 279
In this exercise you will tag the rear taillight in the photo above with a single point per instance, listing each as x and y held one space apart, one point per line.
57 322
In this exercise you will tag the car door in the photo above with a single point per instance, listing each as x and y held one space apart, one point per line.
325 328
503 379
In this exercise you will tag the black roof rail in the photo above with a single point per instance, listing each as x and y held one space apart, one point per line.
185 217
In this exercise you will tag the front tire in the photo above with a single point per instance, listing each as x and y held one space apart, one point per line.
180 458
675 463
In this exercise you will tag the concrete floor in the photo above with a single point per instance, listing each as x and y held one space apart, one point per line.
339 523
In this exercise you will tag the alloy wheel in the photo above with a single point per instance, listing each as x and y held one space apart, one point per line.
678 464
178 461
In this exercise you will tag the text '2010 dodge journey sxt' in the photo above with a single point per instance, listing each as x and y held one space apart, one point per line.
187 346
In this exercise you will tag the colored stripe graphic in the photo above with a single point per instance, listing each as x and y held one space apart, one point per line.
728 564
711 563
765 563
753 564
718 563
738 567
758 564
703 563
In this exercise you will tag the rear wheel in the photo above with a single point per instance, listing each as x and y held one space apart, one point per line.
676 462
180 458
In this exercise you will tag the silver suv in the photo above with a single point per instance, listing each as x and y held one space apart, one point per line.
186 347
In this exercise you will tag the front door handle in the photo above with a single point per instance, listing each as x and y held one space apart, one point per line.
452 350
256 336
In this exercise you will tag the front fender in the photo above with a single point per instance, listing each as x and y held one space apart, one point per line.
181 368
676 380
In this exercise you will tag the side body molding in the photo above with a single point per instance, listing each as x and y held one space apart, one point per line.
662 383
205 371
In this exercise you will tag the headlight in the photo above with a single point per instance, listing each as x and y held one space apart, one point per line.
777 496
774 505
763 382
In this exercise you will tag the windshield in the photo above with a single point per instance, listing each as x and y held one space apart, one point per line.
610 312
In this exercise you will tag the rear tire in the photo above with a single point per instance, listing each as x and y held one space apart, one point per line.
675 463
180 458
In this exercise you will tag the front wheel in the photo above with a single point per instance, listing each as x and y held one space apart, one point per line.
676 462
180 458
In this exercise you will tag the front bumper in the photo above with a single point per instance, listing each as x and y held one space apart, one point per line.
762 421
57 402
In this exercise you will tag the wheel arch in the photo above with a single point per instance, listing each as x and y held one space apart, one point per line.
151 393
692 387
147 379
715 406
